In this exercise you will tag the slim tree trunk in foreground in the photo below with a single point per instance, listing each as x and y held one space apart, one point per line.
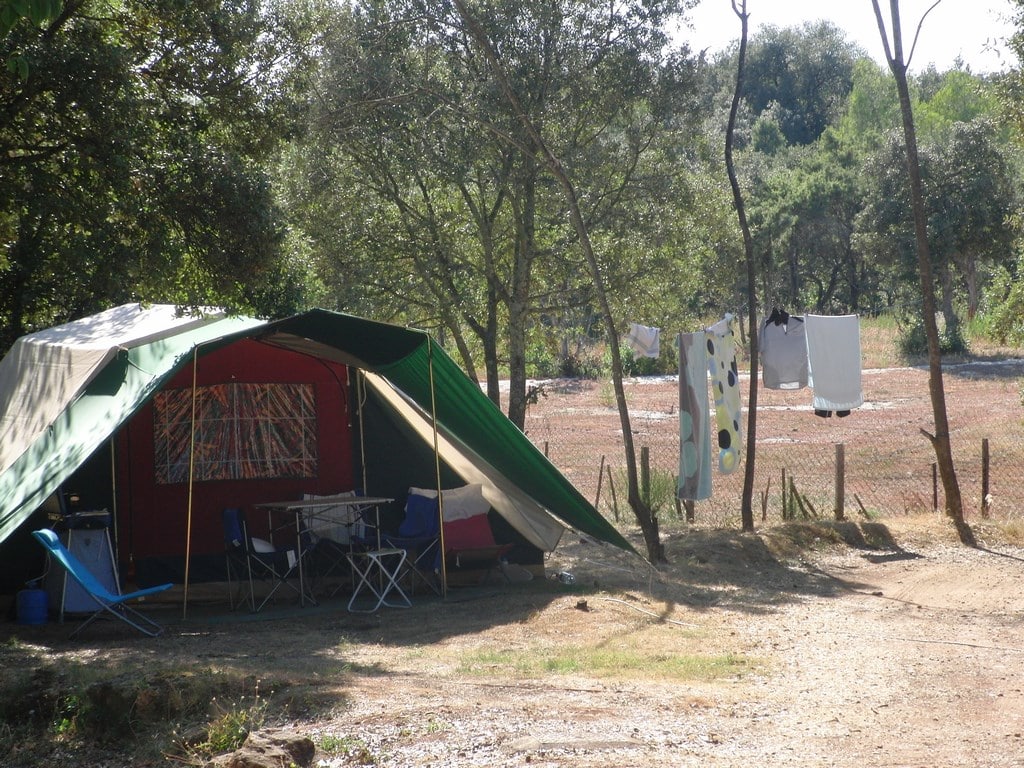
940 440
747 508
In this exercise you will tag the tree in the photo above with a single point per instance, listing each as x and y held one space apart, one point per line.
130 162
410 104
648 522
969 194
803 73
802 216
747 507
940 440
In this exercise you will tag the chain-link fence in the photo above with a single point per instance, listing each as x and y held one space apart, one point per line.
886 458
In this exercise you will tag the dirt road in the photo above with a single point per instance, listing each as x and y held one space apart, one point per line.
906 656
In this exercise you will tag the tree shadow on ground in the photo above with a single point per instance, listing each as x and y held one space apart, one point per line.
986 367
752 572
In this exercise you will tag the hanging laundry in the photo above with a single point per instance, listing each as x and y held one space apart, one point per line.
783 348
833 357
643 340
694 419
725 384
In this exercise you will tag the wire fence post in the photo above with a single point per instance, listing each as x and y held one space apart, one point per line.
611 487
840 481
783 495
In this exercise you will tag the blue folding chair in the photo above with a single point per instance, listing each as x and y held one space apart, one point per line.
419 534
106 600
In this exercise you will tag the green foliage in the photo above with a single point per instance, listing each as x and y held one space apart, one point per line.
666 363
638 366
803 74
133 161
352 747
611 662
872 108
660 493
1003 315
37 12
229 729
913 341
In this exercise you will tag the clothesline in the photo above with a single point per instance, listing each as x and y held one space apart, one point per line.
819 351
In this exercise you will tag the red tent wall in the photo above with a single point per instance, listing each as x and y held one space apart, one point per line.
152 516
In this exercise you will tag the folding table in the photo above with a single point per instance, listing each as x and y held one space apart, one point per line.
298 506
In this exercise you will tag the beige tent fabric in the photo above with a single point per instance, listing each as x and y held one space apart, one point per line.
524 514
45 371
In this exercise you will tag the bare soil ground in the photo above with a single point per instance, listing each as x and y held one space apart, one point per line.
806 644
814 645
905 655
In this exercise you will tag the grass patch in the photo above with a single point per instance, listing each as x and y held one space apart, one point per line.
606 662
351 747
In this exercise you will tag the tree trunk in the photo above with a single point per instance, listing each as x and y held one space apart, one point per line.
940 440
746 505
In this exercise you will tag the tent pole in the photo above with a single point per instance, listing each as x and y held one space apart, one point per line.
191 475
437 466
360 400
113 509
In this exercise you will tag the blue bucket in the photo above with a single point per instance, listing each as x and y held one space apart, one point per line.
32 606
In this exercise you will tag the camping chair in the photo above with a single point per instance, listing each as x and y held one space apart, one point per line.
255 559
107 601
419 535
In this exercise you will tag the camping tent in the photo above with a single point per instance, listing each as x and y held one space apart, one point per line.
115 380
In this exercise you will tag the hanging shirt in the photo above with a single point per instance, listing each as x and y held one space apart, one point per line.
694 419
643 340
725 384
833 358
783 348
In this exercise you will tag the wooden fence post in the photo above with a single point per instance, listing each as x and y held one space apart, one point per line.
611 487
985 500
645 474
784 509
600 480
840 481
935 487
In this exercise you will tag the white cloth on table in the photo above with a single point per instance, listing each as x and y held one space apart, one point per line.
339 523
833 357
